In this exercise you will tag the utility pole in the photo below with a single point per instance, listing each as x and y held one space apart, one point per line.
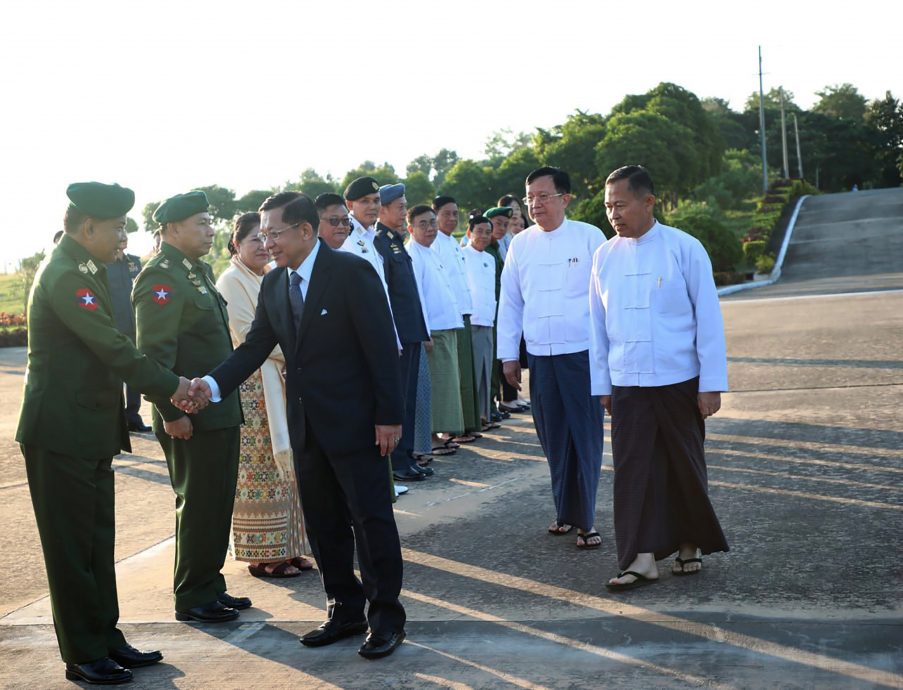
784 136
799 156
762 127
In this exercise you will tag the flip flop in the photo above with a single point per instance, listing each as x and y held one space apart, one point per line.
682 562
423 459
491 425
556 528
585 537
442 450
465 438
641 581
278 572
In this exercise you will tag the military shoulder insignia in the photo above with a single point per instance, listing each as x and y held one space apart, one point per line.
160 293
187 264
91 266
164 263
86 299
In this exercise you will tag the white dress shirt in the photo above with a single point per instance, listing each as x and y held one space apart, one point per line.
481 282
655 314
360 242
435 288
545 286
452 257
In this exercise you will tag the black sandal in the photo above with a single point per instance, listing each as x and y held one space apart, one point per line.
641 581
682 562
585 537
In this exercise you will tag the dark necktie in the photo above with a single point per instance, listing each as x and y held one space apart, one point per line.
296 299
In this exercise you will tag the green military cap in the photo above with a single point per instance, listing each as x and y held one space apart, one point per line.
499 211
180 207
100 200
361 187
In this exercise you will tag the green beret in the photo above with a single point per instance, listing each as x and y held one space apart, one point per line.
361 187
180 207
506 211
100 200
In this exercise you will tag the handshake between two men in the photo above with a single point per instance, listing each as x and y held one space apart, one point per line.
190 397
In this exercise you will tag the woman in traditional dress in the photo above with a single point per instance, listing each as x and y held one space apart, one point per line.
267 525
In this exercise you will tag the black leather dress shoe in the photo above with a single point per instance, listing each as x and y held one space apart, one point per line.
139 426
377 647
333 630
237 603
425 471
409 475
214 612
129 657
101 672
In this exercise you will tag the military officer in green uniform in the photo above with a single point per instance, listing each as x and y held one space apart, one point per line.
72 423
183 325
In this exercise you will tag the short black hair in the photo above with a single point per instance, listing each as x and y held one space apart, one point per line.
242 228
278 200
417 210
560 178
73 220
327 199
296 208
442 200
638 179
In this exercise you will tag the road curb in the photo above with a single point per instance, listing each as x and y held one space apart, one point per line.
775 274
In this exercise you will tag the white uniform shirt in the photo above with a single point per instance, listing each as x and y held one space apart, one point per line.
435 288
452 257
655 314
360 242
481 282
504 243
545 286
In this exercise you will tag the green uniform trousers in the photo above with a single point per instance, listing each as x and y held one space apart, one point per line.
73 503
203 471
470 403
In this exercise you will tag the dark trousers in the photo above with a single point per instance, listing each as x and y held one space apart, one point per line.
132 405
403 455
73 502
661 481
203 472
346 502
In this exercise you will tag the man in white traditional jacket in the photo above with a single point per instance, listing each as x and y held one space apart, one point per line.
443 318
544 295
658 339
452 257
480 272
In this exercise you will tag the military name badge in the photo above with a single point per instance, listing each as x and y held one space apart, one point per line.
91 267
187 264
161 294
86 299
82 268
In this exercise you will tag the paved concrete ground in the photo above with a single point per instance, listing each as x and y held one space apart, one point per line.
805 462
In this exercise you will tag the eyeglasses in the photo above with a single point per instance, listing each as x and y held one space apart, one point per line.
336 221
540 198
276 234
423 224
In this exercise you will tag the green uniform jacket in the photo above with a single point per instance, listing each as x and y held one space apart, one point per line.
182 324
78 359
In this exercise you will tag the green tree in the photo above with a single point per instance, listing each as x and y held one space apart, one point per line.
570 146
772 101
384 174
443 161
502 142
147 216
510 175
131 224
221 200
470 184
28 267
252 200
841 101
733 126
314 184
418 189
740 179
885 117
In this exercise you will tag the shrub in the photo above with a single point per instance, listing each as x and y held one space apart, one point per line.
704 222
765 263
753 250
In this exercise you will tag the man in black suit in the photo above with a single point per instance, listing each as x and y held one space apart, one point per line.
328 311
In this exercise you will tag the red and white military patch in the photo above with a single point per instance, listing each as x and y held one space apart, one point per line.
86 299
160 293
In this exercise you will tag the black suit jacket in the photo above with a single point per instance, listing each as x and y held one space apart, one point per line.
342 368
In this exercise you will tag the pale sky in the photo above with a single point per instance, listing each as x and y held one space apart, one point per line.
166 96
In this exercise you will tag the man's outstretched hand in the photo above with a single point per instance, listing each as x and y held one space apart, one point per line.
195 396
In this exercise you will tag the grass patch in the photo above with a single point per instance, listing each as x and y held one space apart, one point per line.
12 301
